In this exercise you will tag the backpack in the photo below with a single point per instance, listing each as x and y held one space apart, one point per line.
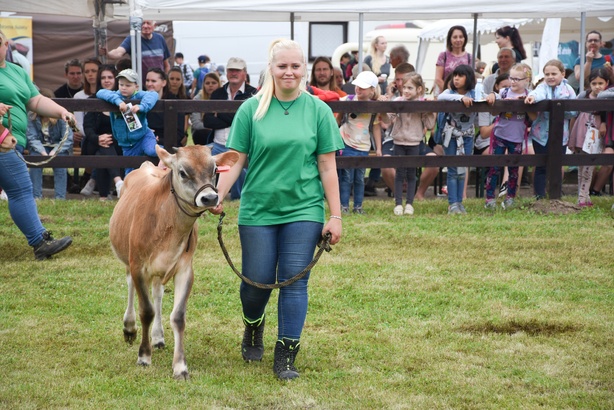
527 122
444 118
345 119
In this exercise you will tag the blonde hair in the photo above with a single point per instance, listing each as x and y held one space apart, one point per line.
415 79
3 36
376 63
526 69
376 93
268 84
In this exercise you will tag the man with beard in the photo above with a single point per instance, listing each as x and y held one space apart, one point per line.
322 76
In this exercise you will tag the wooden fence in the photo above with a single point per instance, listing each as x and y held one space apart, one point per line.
553 161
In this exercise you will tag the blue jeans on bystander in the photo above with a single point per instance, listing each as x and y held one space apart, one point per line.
352 177
456 179
60 178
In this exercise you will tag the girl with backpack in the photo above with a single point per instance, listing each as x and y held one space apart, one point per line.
459 130
509 133
356 129
589 124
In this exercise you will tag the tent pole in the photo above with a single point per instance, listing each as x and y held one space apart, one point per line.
361 20
582 42
291 26
475 38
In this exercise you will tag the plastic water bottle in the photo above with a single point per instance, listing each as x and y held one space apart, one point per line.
479 90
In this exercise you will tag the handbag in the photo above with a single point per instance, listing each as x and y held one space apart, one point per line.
592 141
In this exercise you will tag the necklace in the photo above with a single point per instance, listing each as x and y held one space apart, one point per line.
284 108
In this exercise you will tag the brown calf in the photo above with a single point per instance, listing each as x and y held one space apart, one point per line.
153 231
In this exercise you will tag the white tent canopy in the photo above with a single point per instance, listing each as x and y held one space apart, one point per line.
316 10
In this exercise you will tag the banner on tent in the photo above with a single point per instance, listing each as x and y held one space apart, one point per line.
19 33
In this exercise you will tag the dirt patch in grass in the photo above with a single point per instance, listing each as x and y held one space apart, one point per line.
555 206
531 327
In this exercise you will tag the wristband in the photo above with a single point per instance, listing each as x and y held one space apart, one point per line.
335 217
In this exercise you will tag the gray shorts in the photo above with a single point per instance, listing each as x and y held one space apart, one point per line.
388 148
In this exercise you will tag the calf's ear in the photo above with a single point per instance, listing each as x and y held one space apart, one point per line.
228 158
164 156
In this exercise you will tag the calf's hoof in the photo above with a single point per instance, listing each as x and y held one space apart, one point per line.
129 336
184 375
159 345
143 361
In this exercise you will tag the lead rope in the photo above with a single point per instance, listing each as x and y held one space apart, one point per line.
323 244
55 154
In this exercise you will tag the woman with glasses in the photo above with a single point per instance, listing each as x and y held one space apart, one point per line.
594 58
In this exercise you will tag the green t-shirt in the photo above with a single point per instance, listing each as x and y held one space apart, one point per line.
16 90
283 183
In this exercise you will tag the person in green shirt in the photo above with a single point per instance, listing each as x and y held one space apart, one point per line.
289 138
18 96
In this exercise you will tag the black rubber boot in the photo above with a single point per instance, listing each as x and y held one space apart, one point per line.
285 354
49 246
252 346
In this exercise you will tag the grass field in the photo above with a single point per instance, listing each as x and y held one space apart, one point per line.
503 310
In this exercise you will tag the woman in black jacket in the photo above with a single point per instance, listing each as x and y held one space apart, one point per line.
99 136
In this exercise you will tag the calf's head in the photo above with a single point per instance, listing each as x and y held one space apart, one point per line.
7 140
194 173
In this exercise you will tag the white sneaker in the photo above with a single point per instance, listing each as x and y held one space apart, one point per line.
118 187
398 210
88 189
3 196
409 210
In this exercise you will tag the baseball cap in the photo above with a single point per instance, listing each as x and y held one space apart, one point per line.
366 79
203 59
235 63
129 74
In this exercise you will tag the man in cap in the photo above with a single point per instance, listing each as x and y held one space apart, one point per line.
236 89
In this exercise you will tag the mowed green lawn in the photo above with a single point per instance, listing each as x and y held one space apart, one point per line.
503 310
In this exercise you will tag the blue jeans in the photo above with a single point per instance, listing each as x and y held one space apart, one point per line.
15 181
235 190
60 178
456 179
277 253
352 177
145 146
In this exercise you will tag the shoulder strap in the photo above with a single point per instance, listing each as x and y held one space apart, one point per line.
344 119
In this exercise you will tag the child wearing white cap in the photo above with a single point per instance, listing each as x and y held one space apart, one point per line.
133 141
360 131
